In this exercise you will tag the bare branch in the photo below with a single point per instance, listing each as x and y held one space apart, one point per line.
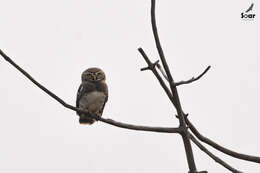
162 72
219 147
108 121
142 128
193 79
145 68
33 80
217 159
151 67
176 100
158 44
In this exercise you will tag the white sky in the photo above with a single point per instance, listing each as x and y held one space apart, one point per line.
56 40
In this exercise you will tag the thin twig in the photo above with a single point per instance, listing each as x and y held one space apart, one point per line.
193 79
108 121
219 147
210 154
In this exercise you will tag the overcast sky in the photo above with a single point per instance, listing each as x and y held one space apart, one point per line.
56 40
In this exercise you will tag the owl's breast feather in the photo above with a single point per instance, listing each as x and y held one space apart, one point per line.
92 101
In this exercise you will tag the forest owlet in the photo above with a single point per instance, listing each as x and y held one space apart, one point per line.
92 94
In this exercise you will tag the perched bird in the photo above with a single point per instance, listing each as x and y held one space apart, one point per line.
250 8
92 94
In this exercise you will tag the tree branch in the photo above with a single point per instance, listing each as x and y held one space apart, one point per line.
108 121
176 100
34 81
219 147
141 128
151 66
217 159
158 44
162 71
192 79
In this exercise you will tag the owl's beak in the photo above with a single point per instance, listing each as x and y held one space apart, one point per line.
94 77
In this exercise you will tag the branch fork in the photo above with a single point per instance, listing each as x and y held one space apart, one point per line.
151 66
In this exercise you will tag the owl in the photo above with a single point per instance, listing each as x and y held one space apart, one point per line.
92 94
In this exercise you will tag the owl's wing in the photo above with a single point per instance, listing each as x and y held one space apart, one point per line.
79 95
105 90
84 89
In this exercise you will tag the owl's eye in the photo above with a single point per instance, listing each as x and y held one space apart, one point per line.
88 76
99 75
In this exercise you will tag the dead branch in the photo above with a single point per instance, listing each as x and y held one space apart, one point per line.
193 79
217 159
162 71
219 147
176 100
142 128
151 66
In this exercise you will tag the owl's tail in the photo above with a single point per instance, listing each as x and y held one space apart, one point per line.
86 120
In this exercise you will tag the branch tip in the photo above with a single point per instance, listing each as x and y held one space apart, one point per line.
140 49
145 68
193 79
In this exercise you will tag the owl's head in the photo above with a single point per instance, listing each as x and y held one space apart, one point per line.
93 75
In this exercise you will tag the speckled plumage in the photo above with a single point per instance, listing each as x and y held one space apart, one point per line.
92 94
